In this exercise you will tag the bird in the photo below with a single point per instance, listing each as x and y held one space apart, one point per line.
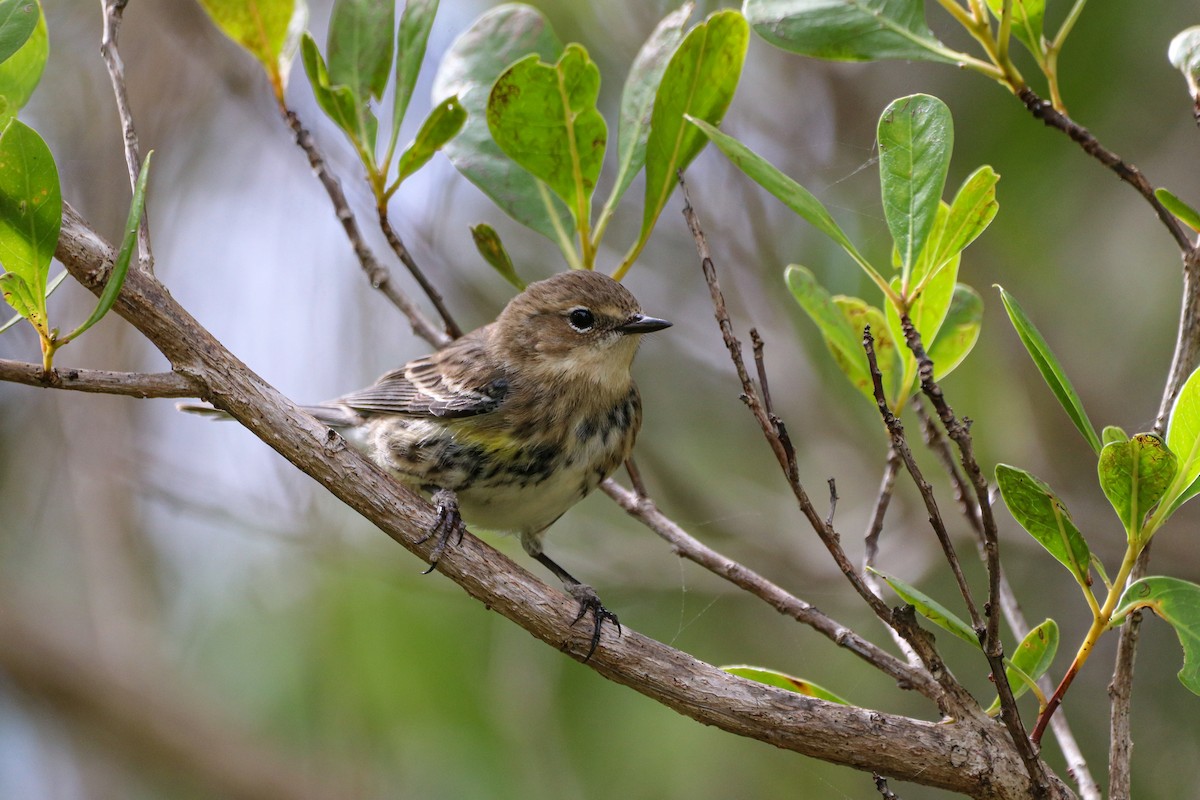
510 425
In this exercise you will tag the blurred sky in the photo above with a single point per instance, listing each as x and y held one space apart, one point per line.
135 527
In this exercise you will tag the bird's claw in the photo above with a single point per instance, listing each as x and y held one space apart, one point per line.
589 601
448 525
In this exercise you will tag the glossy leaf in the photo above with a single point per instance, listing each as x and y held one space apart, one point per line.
24 300
958 332
832 323
781 680
1134 475
469 68
1177 602
21 71
18 20
1183 431
339 102
1185 213
442 125
1036 507
699 81
32 214
1030 660
637 98
415 23
268 29
930 609
359 48
50 287
860 314
916 136
1184 55
973 209
848 30
544 117
488 243
1113 433
786 190
1028 18
1052 373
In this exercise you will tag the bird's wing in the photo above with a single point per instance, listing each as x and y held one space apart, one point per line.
459 381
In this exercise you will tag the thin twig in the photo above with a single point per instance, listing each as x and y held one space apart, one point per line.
1120 693
130 384
883 499
113 11
376 273
686 546
397 244
936 441
960 433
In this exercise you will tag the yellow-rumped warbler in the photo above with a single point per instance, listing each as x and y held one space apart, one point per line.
515 422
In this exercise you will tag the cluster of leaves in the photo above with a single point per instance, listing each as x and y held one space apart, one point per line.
31 214
916 136
1144 477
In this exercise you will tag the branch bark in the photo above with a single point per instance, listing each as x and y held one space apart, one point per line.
98 381
970 756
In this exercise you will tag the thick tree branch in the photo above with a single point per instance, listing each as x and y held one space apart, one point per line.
970 756
98 381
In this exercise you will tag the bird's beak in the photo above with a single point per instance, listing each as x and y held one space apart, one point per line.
640 323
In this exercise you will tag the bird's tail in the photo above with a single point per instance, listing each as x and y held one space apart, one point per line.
331 415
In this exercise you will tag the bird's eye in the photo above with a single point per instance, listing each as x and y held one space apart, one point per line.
581 319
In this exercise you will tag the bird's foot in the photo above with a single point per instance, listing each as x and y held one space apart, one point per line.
589 601
449 525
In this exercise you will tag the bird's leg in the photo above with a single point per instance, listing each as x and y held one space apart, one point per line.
449 522
588 600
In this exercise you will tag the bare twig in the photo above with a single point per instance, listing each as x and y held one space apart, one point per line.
113 11
960 433
887 486
376 273
397 244
1077 765
1120 693
130 384
1187 339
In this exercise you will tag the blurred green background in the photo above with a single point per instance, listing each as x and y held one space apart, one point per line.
190 548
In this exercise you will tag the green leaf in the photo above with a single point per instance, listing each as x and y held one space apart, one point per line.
848 30
839 334
116 279
916 136
1048 365
1039 511
1030 660
1177 602
18 20
1028 17
637 99
50 287
488 243
790 193
1134 475
973 209
1185 213
782 680
339 102
930 609
1183 431
360 46
468 70
442 125
1113 433
18 294
958 332
415 23
1184 55
268 29
860 314
544 118
699 81
20 72
31 211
